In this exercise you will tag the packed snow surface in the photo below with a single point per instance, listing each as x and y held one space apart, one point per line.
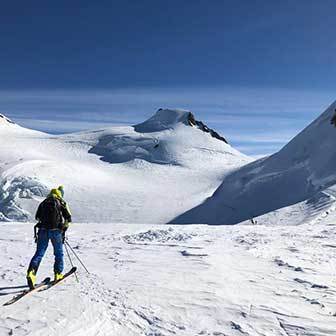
177 280
299 172
149 173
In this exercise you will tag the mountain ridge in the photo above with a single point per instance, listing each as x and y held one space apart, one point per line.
114 174
301 169
165 119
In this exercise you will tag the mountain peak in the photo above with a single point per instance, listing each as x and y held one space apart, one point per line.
165 119
301 171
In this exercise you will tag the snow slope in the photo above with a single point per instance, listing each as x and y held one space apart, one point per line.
148 279
149 173
178 280
299 172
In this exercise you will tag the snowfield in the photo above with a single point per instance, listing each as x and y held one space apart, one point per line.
178 280
117 174
123 183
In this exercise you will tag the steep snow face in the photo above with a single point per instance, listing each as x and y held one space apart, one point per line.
116 174
303 168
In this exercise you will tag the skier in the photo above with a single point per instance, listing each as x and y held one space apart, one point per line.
53 216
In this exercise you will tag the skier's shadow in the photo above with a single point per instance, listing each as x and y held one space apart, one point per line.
13 287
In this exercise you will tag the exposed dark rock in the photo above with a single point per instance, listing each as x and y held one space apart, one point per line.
165 119
199 124
333 119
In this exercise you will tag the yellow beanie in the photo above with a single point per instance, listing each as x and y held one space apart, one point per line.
55 192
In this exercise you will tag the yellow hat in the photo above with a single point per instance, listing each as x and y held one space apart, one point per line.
61 189
55 192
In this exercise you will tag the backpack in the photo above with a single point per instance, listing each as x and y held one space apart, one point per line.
51 217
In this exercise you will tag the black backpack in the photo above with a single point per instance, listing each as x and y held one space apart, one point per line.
50 216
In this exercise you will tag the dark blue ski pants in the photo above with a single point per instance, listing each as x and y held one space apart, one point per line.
43 238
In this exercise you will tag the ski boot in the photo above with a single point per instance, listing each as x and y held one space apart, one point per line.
58 276
31 278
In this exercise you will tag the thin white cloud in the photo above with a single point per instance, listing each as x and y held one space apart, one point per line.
63 126
259 116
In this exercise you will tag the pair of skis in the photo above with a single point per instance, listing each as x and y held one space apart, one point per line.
44 285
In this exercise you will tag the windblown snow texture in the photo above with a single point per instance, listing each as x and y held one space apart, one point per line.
177 280
298 172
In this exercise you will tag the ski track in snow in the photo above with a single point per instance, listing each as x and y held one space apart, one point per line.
178 280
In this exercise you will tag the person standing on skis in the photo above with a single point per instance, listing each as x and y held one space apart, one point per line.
53 216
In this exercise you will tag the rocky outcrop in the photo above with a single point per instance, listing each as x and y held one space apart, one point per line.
165 119
193 122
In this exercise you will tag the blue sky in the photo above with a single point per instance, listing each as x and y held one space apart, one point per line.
257 71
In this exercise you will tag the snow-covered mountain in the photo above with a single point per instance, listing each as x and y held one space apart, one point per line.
300 174
185 280
145 173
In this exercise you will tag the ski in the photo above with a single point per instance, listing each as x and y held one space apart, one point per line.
54 283
16 298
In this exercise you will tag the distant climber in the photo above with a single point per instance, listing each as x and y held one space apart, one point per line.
53 216
333 119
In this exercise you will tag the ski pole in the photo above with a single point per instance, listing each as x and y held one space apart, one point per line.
67 251
66 242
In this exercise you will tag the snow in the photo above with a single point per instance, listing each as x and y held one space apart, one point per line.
5 121
276 278
299 172
116 174
178 280
163 119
